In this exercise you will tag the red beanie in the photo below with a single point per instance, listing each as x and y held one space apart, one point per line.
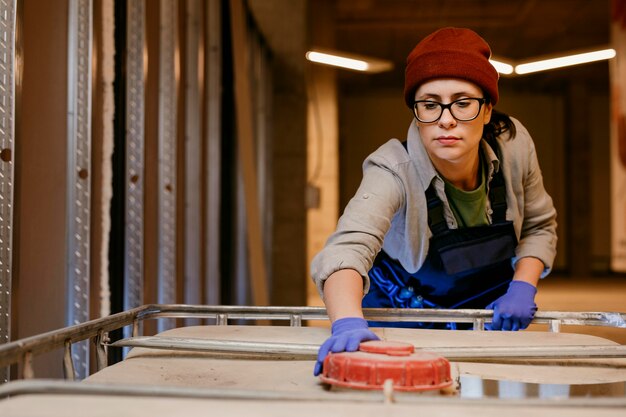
451 53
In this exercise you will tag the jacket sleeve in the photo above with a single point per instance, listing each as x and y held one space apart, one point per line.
538 233
362 227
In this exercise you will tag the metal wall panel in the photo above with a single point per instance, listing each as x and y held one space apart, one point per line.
167 158
213 157
7 137
78 175
135 143
262 87
193 157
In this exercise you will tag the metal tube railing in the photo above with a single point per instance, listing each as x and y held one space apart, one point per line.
22 351
14 352
51 387
303 351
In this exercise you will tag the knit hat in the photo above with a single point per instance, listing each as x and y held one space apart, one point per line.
451 53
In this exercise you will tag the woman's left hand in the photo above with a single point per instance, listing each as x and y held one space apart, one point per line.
515 309
347 335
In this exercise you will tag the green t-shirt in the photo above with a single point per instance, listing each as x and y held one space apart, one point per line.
469 207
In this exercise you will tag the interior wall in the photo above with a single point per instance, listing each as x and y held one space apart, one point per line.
39 290
366 121
322 198
283 25
151 183
599 138
543 117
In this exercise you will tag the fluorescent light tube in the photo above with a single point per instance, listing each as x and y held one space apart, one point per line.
502 67
373 65
348 61
337 61
564 61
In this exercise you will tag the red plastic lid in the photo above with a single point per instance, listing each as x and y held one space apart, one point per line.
387 347
378 361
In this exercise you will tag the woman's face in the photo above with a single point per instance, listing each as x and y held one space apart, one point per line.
448 139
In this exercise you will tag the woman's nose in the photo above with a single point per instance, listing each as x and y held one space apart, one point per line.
446 119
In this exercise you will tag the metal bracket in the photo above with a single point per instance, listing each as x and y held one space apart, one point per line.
7 137
78 177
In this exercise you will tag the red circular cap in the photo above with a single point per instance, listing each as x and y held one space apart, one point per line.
387 347
419 371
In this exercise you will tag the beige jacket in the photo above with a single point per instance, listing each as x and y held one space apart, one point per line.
389 209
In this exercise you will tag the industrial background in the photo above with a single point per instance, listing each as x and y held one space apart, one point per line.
185 151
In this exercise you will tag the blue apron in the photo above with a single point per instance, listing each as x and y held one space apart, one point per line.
465 268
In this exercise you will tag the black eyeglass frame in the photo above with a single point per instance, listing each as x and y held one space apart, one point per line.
442 107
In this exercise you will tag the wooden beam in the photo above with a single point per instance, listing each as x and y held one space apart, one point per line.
245 152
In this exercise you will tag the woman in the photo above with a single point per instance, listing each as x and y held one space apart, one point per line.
454 217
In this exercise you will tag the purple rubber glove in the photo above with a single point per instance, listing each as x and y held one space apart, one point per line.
515 309
347 334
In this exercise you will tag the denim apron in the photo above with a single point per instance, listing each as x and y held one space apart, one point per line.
464 268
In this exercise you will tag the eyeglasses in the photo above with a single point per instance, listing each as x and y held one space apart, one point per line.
463 110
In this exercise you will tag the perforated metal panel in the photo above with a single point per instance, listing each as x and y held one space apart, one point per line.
7 137
133 257
80 23
167 158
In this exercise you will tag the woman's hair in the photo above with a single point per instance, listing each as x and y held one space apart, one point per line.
499 124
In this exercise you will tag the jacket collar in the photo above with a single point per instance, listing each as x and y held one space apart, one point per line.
425 168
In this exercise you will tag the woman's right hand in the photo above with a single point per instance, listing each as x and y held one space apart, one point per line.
347 334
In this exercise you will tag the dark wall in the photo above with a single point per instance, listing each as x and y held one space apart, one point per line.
39 284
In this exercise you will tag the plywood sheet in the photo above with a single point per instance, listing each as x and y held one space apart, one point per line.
294 379
193 369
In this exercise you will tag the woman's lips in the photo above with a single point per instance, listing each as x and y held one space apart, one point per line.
447 140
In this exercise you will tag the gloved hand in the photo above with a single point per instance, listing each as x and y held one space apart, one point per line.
347 334
515 309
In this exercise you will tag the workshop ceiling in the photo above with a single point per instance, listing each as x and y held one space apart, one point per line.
515 29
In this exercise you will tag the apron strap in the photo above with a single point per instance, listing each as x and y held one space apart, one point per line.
497 198
436 221
497 190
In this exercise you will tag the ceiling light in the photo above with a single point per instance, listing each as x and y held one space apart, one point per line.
337 61
564 61
349 61
502 67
